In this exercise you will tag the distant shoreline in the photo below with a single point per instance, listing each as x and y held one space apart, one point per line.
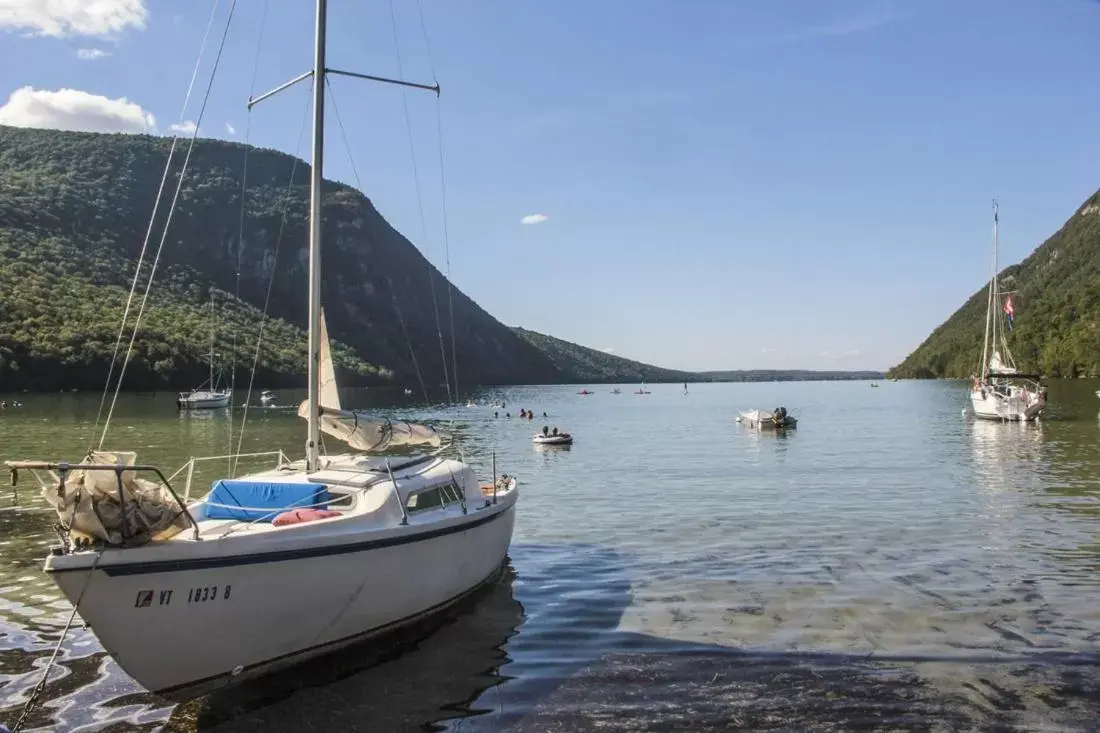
755 376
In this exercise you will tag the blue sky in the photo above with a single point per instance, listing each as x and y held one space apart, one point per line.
727 183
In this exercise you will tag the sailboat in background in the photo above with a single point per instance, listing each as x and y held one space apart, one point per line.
281 565
1001 391
207 396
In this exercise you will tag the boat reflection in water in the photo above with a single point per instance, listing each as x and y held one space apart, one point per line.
417 678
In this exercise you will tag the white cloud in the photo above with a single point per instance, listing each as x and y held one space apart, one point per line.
608 350
90 54
73 17
767 350
187 127
230 129
72 109
534 219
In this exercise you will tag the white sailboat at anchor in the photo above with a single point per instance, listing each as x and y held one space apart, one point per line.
1002 392
207 396
274 567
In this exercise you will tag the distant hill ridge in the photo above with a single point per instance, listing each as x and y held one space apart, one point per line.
1057 320
581 364
74 209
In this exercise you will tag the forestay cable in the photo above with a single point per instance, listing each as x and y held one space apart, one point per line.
374 235
443 194
271 279
168 220
420 202
152 221
240 228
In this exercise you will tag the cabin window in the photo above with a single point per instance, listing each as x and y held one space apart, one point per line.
433 497
341 501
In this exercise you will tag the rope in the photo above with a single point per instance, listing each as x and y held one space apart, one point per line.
420 203
374 235
405 332
36 692
443 192
168 221
149 229
240 228
271 280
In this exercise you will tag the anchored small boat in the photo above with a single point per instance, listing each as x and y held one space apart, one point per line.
552 439
268 397
777 419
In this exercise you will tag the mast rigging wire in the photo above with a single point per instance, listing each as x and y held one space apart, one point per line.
168 220
420 208
149 229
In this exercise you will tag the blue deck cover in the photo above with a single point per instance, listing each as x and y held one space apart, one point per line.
262 500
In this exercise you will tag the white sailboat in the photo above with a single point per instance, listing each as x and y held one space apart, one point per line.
275 567
1002 392
206 396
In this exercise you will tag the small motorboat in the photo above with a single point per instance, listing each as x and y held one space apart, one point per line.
618 391
585 391
777 419
552 439
471 403
267 397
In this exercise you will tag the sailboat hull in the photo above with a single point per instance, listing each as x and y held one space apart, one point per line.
204 400
1014 407
185 629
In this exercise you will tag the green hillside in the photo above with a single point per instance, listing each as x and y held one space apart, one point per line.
74 209
584 365
1057 325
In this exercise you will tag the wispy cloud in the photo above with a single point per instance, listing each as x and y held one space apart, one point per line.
59 18
534 219
767 350
187 127
91 54
872 15
608 350
836 355
73 109
230 129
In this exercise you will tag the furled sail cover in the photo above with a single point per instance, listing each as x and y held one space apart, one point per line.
355 428
88 503
997 365
367 434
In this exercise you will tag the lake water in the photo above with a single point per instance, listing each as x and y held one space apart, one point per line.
891 564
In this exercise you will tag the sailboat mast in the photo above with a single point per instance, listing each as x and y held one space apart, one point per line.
994 312
313 438
990 299
211 340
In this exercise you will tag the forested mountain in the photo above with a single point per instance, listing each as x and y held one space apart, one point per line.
74 212
74 209
582 364
1057 304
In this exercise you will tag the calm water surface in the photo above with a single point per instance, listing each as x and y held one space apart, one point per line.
890 565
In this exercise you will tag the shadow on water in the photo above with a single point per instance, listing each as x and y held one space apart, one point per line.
557 662
541 650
